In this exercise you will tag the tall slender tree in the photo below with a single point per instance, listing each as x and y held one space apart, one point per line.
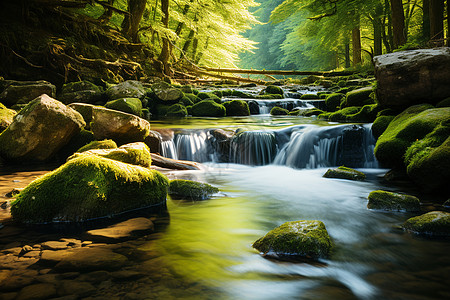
437 22
398 23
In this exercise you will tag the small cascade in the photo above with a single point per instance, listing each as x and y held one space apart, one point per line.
254 148
168 149
193 146
266 105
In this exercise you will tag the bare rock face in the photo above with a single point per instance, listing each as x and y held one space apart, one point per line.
39 130
412 77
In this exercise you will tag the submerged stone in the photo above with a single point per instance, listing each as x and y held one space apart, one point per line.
89 187
191 190
304 238
392 201
435 223
345 173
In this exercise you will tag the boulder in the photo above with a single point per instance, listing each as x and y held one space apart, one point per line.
359 97
269 96
393 201
411 77
126 89
85 110
80 92
208 108
209 96
240 94
191 190
309 97
435 223
177 111
345 173
355 114
119 126
22 92
308 239
104 144
254 107
193 98
153 141
333 101
89 187
236 108
278 111
380 124
6 117
39 130
165 92
134 153
122 230
272 89
128 105
37 291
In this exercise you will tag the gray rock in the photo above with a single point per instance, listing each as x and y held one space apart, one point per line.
122 230
81 91
126 89
20 92
166 92
412 77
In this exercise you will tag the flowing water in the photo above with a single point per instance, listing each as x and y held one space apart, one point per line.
271 173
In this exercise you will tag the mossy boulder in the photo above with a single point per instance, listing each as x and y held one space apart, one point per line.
412 124
121 127
380 124
133 153
435 223
308 239
306 112
345 173
392 201
166 92
80 92
186 101
22 92
278 111
273 89
237 108
355 114
193 98
444 103
208 108
104 144
240 94
39 130
126 89
6 117
89 187
269 96
309 97
333 101
359 97
191 190
210 96
128 105
177 111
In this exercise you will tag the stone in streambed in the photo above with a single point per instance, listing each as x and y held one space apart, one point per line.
236 108
435 223
208 108
122 230
37 292
165 92
126 89
127 105
82 92
308 239
191 190
345 173
22 92
393 201
104 144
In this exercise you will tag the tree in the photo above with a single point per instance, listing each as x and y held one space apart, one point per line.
165 52
437 22
398 23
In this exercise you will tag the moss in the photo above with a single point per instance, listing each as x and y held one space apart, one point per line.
218 93
444 103
128 105
324 116
162 109
309 97
195 92
89 187
309 239
342 115
359 97
211 96
193 98
269 96
273 89
333 101
278 111
105 144
208 108
227 92
191 190
187 89
186 101
177 111
237 108
6 117
412 124
380 124
345 173
306 112
76 86
240 94
392 201
435 223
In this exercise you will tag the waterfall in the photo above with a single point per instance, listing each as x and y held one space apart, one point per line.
253 148
193 146
168 149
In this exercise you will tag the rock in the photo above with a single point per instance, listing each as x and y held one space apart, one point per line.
122 230
254 107
153 141
22 92
191 190
128 105
37 292
81 92
209 96
165 92
79 140
333 101
278 111
380 125
272 89
411 77
355 114
6 117
409 126
176 111
39 130
193 98
134 153
236 108
89 187
309 97
308 239
54 245
359 97
269 96
393 201
73 287
435 223
14 192
208 108
105 144
85 110
126 89
345 173
15 282
121 127
444 103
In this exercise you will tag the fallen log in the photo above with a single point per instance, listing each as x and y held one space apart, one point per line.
281 72
233 78
168 163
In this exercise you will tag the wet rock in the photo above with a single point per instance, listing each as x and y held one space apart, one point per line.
345 173
39 130
165 92
153 141
272 89
237 108
127 105
14 192
308 239
177 110
81 92
22 92
359 97
123 230
121 127
333 101
254 107
54 245
126 89
278 111
208 108
435 223
37 292
6 117
104 144
393 201
81 289
15 282
95 277
127 275
191 190
85 110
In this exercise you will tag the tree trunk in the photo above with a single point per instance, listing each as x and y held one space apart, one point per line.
448 23
356 43
165 51
107 14
347 55
398 23
426 20
437 22
136 9
181 24
187 43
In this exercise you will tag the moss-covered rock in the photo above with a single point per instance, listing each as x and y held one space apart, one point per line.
308 239
359 97
392 201
193 98
218 93
210 96
333 101
208 108
412 124
22 92
80 92
269 96
177 111
435 223
306 112
273 89
345 173
85 110
278 111
39 130
104 144
6 117
186 101
128 105
240 94
309 97
444 103
237 108
126 89
166 92
191 190
380 124
89 187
